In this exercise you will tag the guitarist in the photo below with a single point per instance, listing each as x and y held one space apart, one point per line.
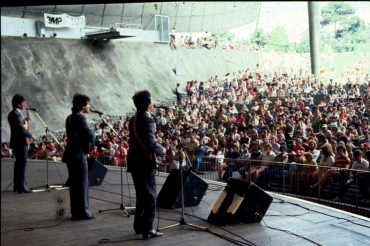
140 162
18 135
79 137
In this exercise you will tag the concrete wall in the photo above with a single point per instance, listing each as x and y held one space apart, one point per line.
49 71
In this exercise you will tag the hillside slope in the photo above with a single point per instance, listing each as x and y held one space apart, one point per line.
49 71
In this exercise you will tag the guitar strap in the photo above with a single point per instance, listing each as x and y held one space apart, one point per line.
150 158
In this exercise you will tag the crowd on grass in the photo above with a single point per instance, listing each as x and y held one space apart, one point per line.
209 43
253 123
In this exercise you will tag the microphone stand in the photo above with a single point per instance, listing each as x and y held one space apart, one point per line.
47 186
122 206
182 219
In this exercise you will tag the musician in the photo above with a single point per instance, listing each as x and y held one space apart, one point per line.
79 137
141 167
19 143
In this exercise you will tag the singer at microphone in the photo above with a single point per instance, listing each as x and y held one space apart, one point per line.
161 106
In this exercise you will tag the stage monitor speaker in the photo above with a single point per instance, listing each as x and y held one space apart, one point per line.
97 172
170 194
241 202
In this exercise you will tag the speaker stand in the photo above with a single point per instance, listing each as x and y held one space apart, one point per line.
122 206
182 220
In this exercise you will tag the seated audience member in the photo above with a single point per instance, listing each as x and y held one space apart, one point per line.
275 167
94 154
326 161
305 175
59 151
108 153
6 152
32 151
267 157
231 164
120 155
244 157
359 178
41 152
254 159
342 162
50 152
365 138
312 148
177 158
298 151
199 153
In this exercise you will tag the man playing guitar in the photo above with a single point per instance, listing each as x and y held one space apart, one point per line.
19 143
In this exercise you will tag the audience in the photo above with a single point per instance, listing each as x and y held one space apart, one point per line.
228 119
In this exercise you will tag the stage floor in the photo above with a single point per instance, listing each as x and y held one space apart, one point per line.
30 219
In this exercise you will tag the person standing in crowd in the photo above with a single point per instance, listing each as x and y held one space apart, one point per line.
19 144
142 129
79 138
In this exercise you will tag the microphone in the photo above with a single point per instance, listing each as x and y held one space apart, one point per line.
96 111
161 106
34 109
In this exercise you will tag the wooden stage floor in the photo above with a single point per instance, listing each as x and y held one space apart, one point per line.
30 219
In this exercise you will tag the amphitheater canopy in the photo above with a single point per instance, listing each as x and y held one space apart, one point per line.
183 16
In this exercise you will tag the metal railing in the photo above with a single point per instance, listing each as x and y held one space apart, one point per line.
351 186
295 179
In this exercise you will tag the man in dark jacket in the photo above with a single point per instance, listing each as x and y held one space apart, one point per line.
140 162
18 143
79 138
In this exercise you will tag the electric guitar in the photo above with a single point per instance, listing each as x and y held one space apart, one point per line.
26 125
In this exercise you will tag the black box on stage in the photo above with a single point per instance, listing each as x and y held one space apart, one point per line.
97 172
241 202
170 194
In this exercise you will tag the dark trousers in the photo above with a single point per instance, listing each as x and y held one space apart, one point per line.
179 96
78 186
20 168
362 182
231 167
146 198
267 174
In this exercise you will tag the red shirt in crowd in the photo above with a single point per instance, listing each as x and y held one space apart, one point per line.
297 148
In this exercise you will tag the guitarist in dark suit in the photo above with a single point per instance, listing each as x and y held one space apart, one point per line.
140 162
18 135
79 137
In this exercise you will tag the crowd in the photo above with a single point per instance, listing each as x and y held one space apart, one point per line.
253 123
209 43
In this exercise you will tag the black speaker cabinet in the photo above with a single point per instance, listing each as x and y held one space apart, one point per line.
241 202
97 172
170 194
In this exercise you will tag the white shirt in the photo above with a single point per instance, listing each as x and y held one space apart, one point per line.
364 165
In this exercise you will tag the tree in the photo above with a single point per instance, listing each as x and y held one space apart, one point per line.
259 37
336 13
304 44
222 35
278 39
